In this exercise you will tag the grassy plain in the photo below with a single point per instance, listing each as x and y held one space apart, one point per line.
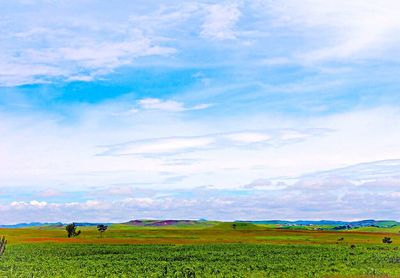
204 250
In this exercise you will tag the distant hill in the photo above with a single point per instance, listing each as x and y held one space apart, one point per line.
338 224
150 223
53 224
333 224
32 224
161 223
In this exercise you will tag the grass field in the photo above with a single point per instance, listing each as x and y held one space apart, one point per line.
208 250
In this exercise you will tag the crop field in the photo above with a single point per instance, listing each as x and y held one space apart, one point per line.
209 260
208 250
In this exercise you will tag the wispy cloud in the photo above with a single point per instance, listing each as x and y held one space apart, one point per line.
173 145
363 171
355 30
73 49
220 21
169 105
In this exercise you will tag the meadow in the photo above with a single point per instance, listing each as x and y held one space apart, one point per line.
207 250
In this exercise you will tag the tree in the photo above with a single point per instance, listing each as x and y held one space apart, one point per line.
340 240
102 228
71 230
387 240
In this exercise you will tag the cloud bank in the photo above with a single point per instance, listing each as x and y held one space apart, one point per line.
223 110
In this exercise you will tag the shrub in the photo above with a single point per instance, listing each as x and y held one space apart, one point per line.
387 240
71 230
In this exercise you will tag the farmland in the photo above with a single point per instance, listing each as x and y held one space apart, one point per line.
223 260
206 250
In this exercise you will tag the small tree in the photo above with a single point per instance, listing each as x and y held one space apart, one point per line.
71 230
340 240
102 228
387 240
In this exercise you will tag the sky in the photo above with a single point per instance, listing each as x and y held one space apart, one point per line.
223 110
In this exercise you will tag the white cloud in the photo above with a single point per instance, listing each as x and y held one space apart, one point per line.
160 146
220 21
362 172
90 204
38 203
141 202
337 29
261 147
109 55
17 73
18 204
249 137
263 200
71 48
168 105
173 145
328 183
33 203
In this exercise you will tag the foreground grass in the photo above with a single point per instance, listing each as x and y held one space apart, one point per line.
211 260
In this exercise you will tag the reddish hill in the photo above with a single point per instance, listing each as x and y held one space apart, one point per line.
160 223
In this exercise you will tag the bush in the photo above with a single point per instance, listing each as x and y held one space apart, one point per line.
71 230
387 240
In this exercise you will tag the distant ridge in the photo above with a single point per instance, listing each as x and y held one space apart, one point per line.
173 222
32 224
160 223
151 223
52 224
361 223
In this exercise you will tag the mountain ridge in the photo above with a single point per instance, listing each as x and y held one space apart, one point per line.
170 222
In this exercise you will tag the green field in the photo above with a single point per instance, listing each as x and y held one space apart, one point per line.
211 250
211 260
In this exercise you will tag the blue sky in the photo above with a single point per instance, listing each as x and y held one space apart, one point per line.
199 109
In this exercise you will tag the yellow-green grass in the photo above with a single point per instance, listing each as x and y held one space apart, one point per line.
394 229
219 233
